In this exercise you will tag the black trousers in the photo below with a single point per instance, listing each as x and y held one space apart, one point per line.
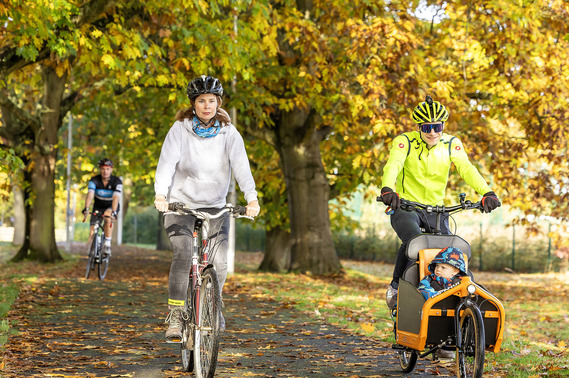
407 225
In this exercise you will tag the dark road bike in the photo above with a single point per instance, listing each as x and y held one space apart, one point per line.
95 259
202 312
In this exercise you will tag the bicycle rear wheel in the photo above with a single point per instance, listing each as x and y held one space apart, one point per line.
91 256
470 355
206 337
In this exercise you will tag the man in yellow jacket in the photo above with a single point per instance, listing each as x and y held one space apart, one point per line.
418 170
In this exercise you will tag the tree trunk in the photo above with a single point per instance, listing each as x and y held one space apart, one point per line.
42 226
19 217
312 248
277 251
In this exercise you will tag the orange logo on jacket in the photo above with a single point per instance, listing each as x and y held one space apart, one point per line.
457 148
401 145
454 256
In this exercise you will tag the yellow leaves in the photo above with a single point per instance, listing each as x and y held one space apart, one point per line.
182 61
109 61
367 327
62 68
96 33
162 80
133 131
562 344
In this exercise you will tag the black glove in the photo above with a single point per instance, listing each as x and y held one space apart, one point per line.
114 214
84 211
390 198
490 202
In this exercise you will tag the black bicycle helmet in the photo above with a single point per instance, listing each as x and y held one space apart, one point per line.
202 85
430 111
105 162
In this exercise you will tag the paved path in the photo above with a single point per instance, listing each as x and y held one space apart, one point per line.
72 327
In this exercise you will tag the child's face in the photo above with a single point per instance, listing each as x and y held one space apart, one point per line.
445 270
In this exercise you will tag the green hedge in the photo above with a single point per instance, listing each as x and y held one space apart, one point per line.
528 257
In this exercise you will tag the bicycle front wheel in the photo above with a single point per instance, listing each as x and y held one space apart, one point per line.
206 336
187 345
470 355
91 256
103 265
407 360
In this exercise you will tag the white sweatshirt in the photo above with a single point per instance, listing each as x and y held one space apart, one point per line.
197 171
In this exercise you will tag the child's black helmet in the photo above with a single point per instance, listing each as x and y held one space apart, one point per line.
202 85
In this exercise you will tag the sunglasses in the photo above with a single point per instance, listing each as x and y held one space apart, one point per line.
427 127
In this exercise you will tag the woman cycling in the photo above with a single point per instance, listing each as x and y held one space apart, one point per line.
200 152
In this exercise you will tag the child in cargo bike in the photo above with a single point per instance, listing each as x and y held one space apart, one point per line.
447 267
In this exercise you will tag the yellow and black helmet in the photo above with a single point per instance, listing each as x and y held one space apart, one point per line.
430 111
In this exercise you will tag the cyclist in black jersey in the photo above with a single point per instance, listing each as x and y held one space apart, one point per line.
103 192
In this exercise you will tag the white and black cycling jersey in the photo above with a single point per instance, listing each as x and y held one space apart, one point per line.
104 193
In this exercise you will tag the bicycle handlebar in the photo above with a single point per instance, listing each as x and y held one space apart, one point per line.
464 205
235 211
97 212
410 205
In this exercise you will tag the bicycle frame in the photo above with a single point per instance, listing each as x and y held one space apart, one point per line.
200 261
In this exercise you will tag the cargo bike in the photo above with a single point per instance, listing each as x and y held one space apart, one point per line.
465 318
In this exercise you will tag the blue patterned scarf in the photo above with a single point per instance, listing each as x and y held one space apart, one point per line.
205 132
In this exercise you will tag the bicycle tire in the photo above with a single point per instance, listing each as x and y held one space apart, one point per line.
407 360
91 256
187 345
103 266
470 355
206 336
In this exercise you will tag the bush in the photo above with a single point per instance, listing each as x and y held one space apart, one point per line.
249 238
141 227
531 256
367 247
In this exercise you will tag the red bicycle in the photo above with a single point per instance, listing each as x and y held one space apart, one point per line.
200 322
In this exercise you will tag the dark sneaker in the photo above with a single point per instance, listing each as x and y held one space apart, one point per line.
391 297
442 354
174 319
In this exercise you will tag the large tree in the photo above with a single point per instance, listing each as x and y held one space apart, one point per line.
53 56
316 111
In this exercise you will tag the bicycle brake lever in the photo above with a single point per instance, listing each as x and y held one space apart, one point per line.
175 206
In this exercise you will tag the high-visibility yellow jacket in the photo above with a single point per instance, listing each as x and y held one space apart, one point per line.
420 174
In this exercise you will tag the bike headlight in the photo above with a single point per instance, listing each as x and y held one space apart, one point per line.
471 289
